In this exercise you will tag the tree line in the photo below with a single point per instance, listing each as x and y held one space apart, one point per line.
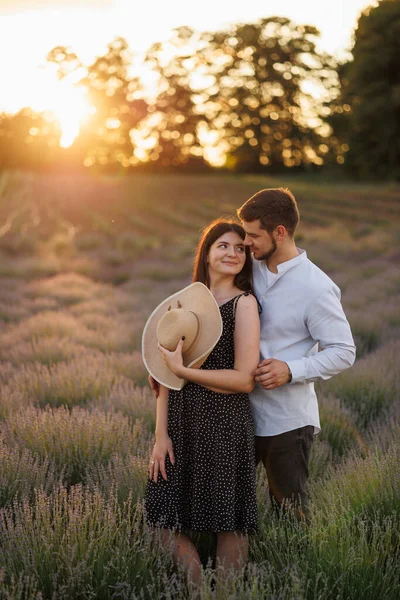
255 97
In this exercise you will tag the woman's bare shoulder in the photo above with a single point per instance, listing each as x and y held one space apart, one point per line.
247 302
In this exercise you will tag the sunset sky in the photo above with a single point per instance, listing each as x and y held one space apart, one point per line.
29 29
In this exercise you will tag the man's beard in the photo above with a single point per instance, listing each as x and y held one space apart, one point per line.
270 252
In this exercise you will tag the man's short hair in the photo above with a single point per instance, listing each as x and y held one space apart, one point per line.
272 207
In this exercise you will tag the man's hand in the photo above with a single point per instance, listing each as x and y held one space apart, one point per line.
155 386
272 373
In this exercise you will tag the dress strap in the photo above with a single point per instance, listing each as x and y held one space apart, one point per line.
246 294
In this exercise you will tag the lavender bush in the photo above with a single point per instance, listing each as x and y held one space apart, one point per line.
79 275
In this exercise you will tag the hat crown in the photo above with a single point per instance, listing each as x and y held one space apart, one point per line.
202 328
175 324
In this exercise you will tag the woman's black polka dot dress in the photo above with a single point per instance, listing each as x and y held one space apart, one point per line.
212 486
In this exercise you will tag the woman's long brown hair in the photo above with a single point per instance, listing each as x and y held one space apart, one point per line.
244 279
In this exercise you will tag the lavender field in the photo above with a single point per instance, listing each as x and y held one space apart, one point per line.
83 262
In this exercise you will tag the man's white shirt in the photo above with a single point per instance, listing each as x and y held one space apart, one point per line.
302 324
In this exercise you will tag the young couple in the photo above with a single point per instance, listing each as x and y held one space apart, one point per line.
249 392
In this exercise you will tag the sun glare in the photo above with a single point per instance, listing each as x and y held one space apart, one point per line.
71 109
69 106
66 101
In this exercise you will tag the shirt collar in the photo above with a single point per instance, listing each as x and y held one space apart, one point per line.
285 266
293 262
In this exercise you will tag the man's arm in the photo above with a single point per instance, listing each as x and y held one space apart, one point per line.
155 386
329 327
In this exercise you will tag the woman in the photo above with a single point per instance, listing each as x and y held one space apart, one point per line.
204 448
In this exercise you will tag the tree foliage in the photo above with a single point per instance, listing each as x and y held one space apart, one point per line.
264 109
173 117
371 87
252 97
28 139
243 92
113 93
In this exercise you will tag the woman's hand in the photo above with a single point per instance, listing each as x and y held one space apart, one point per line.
162 448
174 360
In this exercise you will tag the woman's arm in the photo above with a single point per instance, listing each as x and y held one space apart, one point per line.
247 353
163 443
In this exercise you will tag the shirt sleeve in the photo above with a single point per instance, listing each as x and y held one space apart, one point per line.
327 324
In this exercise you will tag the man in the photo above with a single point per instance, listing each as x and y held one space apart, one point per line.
301 310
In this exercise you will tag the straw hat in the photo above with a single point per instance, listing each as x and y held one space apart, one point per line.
193 313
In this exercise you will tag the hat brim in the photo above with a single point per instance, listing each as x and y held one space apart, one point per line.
197 298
